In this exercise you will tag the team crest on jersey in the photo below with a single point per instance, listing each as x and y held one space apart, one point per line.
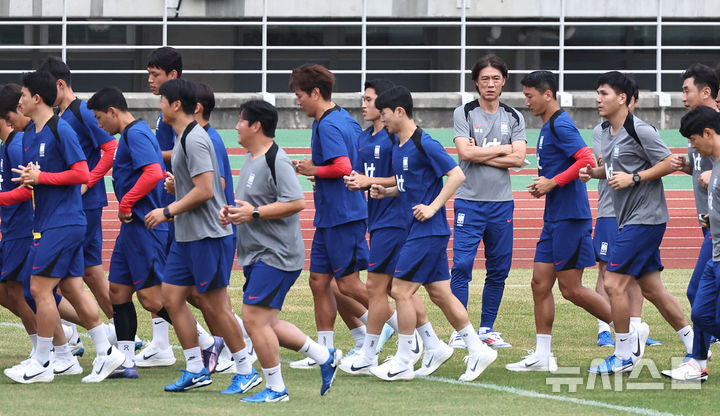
616 152
477 128
405 163
250 180
42 149
503 128
377 151
540 142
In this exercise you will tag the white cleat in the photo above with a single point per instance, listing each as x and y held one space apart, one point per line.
225 366
456 341
433 359
532 362
358 363
152 356
393 369
17 368
104 366
67 367
476 364
304 364
32 372
493 339
688 371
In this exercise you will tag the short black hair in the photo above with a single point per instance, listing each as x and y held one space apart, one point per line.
703 76
492 61
106 98
541 81
205 97
57 68
41 83
619 82
9 98
180 90
395 97
166 58
699 119
262 111
633 87
379 85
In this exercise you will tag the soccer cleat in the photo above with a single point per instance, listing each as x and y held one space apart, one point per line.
76 347
138 343
358 363
652 342
385 335
242 383
456 341
532 362
328 370
687 371
124 372
152 356
605 339
267 396
304 364
103 366
612 365
66 367
32 372
433 359
493 339
17 368
477 363
210 354
190 380
225 366
393 369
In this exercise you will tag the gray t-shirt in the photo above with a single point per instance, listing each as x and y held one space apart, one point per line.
700 164
483 182
278 242
713 204
605 203
195 157
642 203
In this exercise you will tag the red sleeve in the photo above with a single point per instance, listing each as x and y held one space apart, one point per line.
339 167
17 195
104 164
583 157
151 175
77 175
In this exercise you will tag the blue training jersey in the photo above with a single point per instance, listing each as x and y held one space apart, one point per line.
223 163
166 140
375 161
335 135
137 148
15 219
55 205
419 180
555 155
91 137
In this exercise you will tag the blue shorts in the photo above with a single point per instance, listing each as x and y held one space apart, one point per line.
14 255
339 250
92 246
266 285
424 260
385 245
606 229
566 244
59 252
138 259
637 250
205 263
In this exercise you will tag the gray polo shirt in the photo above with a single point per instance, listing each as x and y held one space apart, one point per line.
713 204
505 126
197 156
642 203
699 165
605 203
277 242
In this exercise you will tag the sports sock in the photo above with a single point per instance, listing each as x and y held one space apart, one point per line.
358 335
33 341
225 353
206 340
326 338
603 326
542 345
404 350
163 313
635 320
474 345
392 321
128 348
193 360
624 343
363 318
273 378
110 332
126 318
242 362
42 352
74 337
686 335
702 363
99 337
315 351
161 337
430 339
242 325
368 347
63 352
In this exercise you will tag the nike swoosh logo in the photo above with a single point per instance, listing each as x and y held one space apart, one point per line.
510 220
614 264
399 271
62 371
134 283
623 340
526 364
391 375
101 368
559 263
36 244
371 264
26 149
475 366
253 297
203 283
432 357
360 149
36 267
353 368
157 323
26 377
416 350
637 349
337 270
147 357
196 379
685 334
272 374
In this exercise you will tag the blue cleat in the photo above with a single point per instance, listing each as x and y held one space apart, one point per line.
124 372
329 370
267 396
613 365
605 339
242 383
385 335
652 342
190 380
210 354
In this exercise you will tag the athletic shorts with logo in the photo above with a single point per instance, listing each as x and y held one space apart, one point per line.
138 259
637 250
266 285
13 256
606 229
385 246
567 244
340 250
205 263
424 260
92 244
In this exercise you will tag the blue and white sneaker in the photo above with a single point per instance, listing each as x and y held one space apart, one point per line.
605 339
267 396
210 354
385 335
328 370
613 365
353 351
124 372
242 383
190 380
652 342
138 343
456 341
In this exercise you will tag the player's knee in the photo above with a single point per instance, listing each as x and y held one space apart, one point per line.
570 293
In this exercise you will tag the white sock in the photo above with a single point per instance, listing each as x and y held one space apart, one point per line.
42 352
110 333
206 340
686 335
99 337
315 351
392 321
193 360
242 362
74 335
112 321
128 348
63 352
273 378
242 325
474 345
624 343
326 338
405 344
702 363
369 345
542 345
363 318
358 335
430 339
225 353
161 336
603 326
33 341
635 320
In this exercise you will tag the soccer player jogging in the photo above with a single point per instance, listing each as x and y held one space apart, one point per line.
138 258
565 245
55 167
490 138
270 249
635 158
202 254
419 164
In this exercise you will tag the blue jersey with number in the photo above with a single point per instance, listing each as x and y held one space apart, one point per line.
555 156
419 180
15 219
223 163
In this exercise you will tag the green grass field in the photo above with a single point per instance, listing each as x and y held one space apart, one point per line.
496 391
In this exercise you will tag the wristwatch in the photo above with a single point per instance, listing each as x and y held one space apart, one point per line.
636 178
166 213
256 213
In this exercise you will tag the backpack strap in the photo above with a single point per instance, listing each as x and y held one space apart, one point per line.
469 106
53 125
325 114
417 140
552 121
511 111
629 126
127 128
207 127
185 133
75 108
270 160
7 142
